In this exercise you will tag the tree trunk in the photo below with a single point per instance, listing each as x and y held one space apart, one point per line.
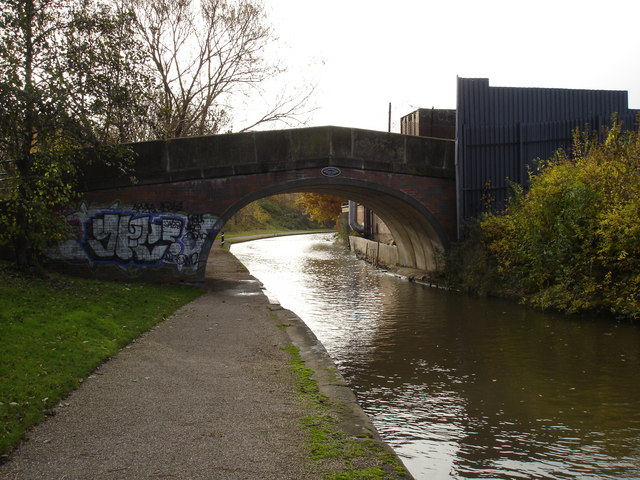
25 160
22 243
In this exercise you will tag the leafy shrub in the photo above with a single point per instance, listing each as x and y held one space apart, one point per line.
471 266
572 242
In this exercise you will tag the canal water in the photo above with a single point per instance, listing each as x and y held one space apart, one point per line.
463 387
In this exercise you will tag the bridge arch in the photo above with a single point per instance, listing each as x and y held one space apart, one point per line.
161 226
419 237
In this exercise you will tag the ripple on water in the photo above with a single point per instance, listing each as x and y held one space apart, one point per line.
464 387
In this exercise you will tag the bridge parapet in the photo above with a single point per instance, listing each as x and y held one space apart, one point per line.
162 226
215 156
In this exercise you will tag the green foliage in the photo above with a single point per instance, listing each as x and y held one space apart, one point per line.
328 441
278 212
572 242
56 330
470 266
68 80
105 74
373 473
38 199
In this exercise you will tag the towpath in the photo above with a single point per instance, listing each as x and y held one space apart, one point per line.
206 394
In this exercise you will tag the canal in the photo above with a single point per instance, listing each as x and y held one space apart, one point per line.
463 387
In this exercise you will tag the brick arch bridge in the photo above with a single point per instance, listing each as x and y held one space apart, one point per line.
162 226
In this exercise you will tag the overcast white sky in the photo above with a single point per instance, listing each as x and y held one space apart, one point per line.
363 54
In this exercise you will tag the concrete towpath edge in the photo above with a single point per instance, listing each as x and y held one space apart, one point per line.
330 381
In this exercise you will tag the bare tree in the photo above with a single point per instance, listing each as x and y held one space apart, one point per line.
203 54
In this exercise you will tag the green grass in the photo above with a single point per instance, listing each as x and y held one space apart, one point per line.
327 441
54 331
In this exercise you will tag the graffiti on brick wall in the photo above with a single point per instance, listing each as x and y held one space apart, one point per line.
126 237
141 235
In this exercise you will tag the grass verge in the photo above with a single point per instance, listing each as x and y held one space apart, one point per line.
54 331
360 458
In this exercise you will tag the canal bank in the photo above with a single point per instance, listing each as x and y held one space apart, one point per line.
385 256
211 392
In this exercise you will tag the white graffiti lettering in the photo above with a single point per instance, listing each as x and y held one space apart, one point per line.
128 237
124 238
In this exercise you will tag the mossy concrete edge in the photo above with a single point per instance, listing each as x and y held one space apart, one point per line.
331 383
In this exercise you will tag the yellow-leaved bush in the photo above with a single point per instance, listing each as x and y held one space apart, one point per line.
572 241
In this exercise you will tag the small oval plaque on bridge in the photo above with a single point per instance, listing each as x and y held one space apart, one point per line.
330 171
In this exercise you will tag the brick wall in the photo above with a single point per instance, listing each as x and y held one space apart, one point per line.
164 232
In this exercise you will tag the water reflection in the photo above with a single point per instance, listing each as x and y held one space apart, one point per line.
464 387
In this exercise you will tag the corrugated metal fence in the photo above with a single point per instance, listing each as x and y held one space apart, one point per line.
501 131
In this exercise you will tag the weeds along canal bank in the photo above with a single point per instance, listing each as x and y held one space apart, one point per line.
469 268
341 437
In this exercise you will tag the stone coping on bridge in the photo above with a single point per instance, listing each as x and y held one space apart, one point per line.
215 156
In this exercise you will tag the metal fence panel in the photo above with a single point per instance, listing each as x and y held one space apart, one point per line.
502 131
